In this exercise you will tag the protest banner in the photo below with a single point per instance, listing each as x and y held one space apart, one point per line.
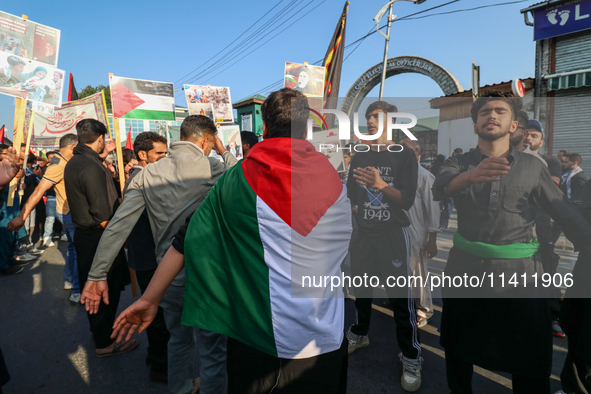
27 39
217 96
326 142
30 80
48 129
305 78
141 99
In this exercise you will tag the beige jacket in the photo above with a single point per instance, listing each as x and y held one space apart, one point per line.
170 190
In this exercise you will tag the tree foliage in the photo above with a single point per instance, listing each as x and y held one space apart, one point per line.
90 90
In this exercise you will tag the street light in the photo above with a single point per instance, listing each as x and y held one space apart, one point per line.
391 17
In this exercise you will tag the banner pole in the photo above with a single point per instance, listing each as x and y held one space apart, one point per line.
121 175
20 110
29 135
105 106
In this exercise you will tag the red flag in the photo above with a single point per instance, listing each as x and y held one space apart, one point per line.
72 94
129 143
2 135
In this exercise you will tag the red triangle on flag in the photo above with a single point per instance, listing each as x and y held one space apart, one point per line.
124 100
2 135
128 143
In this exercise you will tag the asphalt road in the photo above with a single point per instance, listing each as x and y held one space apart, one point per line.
48 346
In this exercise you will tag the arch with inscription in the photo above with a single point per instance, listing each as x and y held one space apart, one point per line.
399 65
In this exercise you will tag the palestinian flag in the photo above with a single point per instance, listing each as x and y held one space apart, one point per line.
140 99
278 215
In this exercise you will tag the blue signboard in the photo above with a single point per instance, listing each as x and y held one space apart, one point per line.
564 18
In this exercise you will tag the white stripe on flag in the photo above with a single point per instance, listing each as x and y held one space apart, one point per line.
156 103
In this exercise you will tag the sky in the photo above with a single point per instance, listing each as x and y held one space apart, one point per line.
166 41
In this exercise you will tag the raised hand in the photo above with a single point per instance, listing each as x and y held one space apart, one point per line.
490 170
92 294
137 317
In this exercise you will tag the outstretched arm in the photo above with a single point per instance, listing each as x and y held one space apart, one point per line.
142 312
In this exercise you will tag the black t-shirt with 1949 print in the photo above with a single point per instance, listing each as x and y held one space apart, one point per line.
376 211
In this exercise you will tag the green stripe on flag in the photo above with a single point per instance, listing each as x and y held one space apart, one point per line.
149 115
226 277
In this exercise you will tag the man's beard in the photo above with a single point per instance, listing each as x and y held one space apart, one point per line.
493 137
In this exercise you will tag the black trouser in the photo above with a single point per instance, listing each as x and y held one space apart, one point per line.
407 333
386 255
251 371
576 373
101 324
158 334
459 378
549 258
4 375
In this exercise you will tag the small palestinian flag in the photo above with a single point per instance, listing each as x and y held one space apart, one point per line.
276 216
140 99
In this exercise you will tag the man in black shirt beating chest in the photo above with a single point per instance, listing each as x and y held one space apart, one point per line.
383 184
496 188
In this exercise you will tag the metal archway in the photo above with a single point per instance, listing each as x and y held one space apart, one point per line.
399 65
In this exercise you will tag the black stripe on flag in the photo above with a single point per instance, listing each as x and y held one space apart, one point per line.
148 87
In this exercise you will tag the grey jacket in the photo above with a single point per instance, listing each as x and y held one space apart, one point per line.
170 190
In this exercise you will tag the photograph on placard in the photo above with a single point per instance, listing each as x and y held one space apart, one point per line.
204 109
29 40
30 80
217 96
306 78
326 142
231 139
40 107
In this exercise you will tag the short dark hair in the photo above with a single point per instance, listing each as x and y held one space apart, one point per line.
51 152
382 105
3 147
127 155
15 60
523 119
495 95
285 113
32 158
196 126
575 158
89 130
248 137
68 140
458 151
145 141
564 152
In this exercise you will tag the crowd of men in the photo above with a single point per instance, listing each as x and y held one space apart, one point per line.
218 244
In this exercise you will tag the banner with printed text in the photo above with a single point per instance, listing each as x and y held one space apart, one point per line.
49 128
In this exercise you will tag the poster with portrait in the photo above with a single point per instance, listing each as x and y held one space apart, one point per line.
29 40
30 80
204 109
217 96
230 136
305 78
326 142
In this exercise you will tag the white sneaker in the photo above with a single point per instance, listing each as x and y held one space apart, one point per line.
64 238
411 373
75 297
36 252
48 242
25 257
67 285
356 341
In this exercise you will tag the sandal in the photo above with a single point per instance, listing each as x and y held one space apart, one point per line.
120 348
423 321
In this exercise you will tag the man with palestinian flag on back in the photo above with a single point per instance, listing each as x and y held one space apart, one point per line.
281 212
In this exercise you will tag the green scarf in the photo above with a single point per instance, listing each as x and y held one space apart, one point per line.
515 250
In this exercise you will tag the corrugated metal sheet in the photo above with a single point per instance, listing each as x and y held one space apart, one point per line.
573 52
572 124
